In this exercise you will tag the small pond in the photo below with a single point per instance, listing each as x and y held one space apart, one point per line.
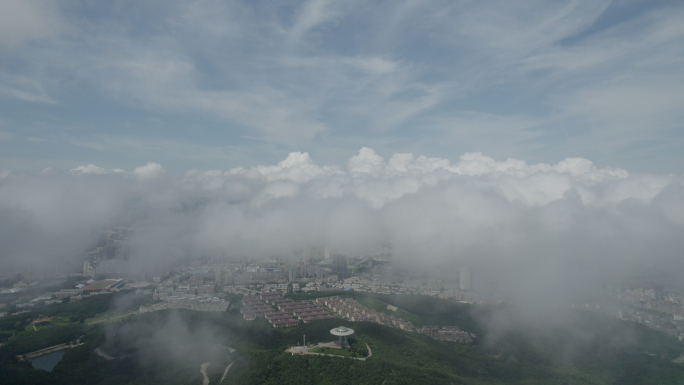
48 361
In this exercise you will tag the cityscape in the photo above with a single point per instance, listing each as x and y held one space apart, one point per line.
252 192
206 286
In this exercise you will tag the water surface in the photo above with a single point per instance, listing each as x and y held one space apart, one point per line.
48 361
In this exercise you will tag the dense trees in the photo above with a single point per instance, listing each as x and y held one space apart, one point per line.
512 356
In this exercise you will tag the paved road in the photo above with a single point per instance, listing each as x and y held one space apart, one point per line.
304 350
203 370
226 372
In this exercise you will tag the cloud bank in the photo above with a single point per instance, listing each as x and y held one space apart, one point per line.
527 226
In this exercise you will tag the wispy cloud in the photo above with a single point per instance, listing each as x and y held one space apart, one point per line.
24 88
25 21
313 13
294 76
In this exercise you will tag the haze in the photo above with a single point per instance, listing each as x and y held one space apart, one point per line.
538 143
540 230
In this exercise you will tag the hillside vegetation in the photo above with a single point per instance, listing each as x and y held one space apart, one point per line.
169 346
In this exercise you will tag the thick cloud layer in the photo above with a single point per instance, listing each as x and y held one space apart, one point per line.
524 226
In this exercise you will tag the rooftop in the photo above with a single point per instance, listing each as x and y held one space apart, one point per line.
341 331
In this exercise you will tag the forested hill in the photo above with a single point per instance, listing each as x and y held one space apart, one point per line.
169 346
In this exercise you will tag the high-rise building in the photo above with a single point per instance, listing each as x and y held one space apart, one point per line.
113 267
312 255
464 278
88 270
339 266
219 276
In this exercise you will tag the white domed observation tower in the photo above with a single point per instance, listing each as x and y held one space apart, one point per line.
342 332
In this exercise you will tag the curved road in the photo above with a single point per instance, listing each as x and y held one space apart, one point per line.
203 370
301 350
370 353
225 372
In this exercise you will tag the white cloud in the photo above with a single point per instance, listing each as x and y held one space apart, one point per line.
297 167
90 169
24 88
149 171
377 182
366 162
487 212
24 21
314 13
527 92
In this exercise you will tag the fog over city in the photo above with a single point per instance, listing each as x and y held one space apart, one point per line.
486 192
538 231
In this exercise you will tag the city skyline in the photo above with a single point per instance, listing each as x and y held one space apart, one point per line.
236 165
482 192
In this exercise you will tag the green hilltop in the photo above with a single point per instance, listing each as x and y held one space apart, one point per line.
169 347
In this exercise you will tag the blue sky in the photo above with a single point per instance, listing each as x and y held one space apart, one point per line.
223 84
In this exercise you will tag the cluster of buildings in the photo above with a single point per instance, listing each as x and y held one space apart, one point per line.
19 281
257 274
352 310
110 258
317 269
280 311
245 272
448 333
665 302
661 310
383 280
90 287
